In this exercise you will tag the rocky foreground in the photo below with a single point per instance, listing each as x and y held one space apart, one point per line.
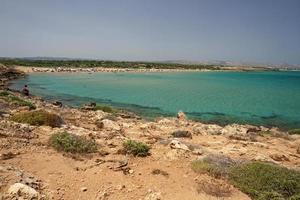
30 168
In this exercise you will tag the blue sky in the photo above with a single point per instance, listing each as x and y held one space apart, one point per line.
238 30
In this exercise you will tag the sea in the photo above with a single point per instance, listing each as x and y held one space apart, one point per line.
268 98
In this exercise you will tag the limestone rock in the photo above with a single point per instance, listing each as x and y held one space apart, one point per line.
279 157
20 190
176 154
176 144
234 129
181 115
152 195
110 125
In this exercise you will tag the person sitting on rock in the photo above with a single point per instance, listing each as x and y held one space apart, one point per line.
25 90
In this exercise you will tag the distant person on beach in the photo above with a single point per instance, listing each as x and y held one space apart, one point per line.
25 90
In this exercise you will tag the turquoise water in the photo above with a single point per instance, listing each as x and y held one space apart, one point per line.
260 98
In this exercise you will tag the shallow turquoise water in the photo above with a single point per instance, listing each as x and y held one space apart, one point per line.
260 98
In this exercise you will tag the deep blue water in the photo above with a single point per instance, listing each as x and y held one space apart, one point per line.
260 98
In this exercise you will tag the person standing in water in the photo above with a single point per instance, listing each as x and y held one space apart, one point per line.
25 90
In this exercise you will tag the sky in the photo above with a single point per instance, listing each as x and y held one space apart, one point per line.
264 31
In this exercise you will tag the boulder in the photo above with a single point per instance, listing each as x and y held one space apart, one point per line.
279 157
57 103
21 191
234 129
207 129
176 144
110 125
152 195
181 115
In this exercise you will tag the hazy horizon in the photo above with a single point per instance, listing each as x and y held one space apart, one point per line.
257 31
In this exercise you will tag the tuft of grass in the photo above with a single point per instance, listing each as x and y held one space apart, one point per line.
214 165
21 102
71 143
38 118
107 109
16 100
264 181
294 131
136 148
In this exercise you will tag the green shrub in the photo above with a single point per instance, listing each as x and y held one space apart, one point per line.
263 181
38 118
294 131
136 148
71 143
107 109
4 94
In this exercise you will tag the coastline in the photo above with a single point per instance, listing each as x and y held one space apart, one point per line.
28 69
175 143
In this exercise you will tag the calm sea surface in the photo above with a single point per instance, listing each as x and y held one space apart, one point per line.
259 98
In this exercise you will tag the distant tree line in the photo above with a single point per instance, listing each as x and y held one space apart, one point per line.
103 63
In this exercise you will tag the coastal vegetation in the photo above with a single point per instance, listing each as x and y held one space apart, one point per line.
14 100
72 143
104 108
136 148
38 118
216 166
261 181
294 131
102 63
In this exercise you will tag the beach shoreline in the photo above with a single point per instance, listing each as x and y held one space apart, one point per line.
28 69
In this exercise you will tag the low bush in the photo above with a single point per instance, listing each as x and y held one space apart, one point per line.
71 143
107 109
38 118
264 181
294 131
136 148
182 134
4 94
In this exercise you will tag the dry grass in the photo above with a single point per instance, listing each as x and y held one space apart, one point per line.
214 165
38 118
216 188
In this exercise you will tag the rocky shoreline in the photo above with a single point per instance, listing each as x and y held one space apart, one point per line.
31 168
